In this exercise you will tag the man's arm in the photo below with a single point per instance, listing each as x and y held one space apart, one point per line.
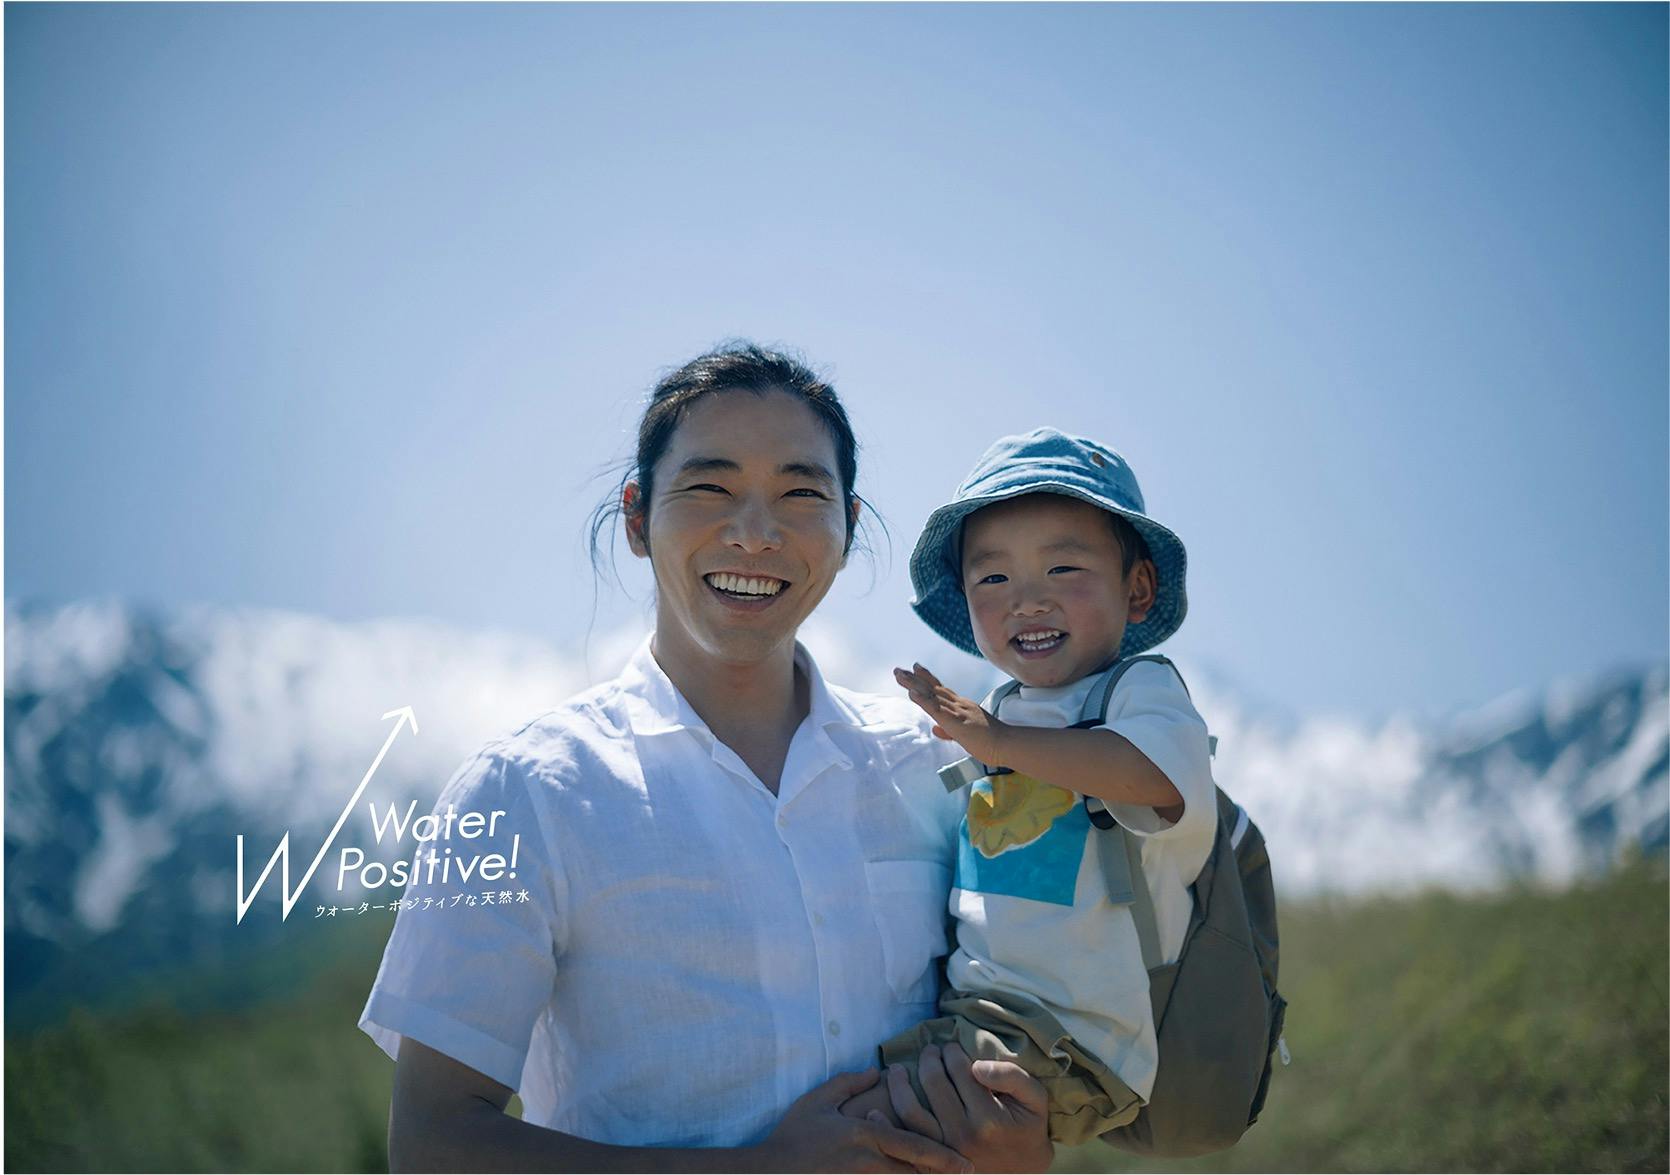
446 1116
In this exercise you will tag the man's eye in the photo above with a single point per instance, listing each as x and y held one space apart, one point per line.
706 486
807 491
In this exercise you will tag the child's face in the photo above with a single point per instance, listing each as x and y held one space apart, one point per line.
1048 568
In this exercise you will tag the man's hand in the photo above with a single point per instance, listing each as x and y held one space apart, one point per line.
814 1136
955 717
875 1100
993 1112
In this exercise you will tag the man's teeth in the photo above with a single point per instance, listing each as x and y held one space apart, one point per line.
1033 642
741 585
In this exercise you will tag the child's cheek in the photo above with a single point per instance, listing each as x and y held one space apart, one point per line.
1088 594
988 625
1090 603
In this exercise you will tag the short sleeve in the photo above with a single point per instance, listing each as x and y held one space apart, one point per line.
472 981
1151 709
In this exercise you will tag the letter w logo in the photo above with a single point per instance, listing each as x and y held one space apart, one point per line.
281 855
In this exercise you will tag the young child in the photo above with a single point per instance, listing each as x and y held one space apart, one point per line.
1047 564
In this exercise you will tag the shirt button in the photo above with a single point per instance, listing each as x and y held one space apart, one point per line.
834 1028
817 919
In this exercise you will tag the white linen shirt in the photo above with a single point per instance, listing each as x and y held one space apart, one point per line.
695 952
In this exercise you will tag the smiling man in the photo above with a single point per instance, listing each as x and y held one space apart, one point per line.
739 872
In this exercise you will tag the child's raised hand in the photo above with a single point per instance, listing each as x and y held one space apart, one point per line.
955 717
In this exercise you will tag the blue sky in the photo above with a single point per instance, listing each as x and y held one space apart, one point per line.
340 309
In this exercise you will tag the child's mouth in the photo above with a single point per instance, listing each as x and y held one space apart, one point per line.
1040 643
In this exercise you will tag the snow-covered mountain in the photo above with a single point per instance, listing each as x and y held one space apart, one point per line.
139 745
1542 785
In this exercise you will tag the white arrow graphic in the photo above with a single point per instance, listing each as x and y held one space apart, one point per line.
282 853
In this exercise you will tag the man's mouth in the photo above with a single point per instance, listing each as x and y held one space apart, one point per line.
1038 642
744 587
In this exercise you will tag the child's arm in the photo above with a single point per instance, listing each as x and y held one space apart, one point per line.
1095 763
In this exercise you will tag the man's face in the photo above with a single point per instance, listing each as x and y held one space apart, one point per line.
1046 591
747 526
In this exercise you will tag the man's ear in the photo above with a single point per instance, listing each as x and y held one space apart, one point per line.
632 512
1142 589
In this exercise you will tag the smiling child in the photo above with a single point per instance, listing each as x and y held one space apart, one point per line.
1047 564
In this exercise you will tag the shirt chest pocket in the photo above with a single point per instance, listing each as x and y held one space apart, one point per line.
909 899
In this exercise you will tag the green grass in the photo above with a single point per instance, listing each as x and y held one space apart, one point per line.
281 1087
1523 1031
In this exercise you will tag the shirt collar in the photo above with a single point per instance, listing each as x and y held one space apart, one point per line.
1075 690
654 704
657 707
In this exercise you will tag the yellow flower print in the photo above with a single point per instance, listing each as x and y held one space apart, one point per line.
1008 811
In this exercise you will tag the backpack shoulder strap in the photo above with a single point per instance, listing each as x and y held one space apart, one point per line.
997 696
1122 863
1095 709
1095 713
1142 904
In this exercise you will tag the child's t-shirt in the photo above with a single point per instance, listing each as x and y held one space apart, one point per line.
1029 898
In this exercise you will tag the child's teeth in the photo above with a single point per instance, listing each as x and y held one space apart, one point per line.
1033 641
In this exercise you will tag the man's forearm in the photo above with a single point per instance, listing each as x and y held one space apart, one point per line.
1095 763
485 1138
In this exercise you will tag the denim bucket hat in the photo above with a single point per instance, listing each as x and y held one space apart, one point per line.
1044 461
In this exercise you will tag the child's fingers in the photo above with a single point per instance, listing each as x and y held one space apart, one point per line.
952 702
912 683
939 702
913 686
926 704
926 683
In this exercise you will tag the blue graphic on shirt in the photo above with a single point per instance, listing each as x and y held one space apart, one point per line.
1022 838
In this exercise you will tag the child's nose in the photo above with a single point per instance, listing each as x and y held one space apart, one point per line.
1031 603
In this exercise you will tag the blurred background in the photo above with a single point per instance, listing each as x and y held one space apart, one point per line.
327 326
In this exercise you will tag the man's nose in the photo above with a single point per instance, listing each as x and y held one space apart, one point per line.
753 527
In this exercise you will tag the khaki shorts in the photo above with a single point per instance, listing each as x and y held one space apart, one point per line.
1086 1098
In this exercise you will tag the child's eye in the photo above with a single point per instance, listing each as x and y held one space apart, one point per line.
993 578
1054 570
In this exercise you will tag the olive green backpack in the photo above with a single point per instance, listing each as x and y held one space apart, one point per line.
1217 1014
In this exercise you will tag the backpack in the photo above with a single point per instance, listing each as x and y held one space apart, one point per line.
1217 1014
